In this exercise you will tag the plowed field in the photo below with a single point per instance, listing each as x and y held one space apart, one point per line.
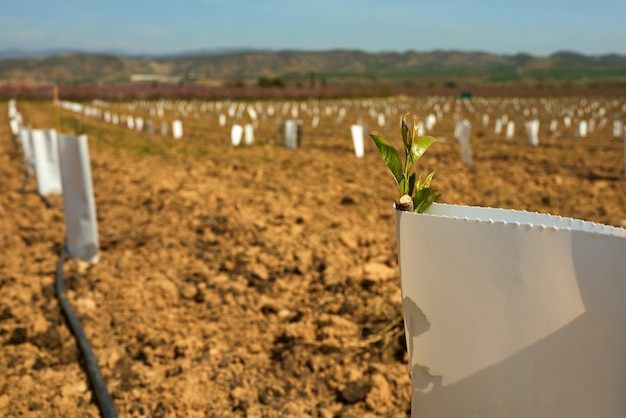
252 281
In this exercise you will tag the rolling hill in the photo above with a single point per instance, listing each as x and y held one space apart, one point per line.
297 67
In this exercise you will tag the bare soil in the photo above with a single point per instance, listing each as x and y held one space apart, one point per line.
254 281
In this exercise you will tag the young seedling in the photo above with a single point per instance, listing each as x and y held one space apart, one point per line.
416 194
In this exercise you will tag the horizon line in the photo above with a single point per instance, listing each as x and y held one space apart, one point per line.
16 53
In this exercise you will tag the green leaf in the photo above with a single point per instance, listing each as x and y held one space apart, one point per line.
429 178
414 147
411 185
415 127
390 156
420 146
426 204
423 199
407 139
426 183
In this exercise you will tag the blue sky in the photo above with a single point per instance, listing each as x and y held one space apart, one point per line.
159 26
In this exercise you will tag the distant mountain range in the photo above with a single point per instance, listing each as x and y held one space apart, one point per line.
20 53
248 67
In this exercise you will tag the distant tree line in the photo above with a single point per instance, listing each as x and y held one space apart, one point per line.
270 82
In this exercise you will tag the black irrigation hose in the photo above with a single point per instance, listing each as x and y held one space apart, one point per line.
24 182
48 203
45 200
105 404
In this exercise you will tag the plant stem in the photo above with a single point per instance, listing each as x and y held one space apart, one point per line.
405 203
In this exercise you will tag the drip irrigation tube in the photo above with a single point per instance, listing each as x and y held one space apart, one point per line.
44 199
103 399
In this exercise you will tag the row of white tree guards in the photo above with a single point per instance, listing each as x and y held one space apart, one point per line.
60 164
561 115
507 118
122 119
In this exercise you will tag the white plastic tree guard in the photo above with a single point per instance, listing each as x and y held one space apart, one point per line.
252 113
554 124
497 129
513 314
567 121
431 120
236 133
27 148
78 199
510 129
46 161
177 129
464 142
248 133
358 139
14 124
617 128
421 128
582 129
11 108
532 130
381 120
290 134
